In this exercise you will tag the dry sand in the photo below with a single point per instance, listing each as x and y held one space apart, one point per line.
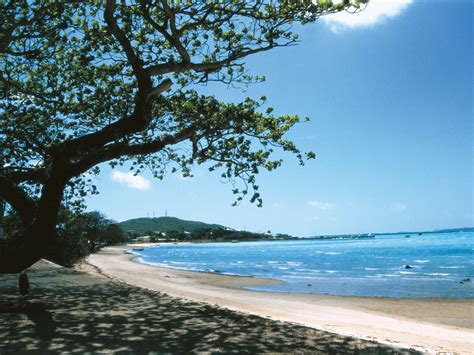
428 325
73 311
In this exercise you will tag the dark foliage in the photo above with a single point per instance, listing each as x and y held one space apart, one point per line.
78 234
221 235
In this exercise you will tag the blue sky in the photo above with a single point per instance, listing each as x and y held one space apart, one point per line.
389 92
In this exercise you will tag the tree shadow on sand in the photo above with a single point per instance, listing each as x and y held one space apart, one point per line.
69 311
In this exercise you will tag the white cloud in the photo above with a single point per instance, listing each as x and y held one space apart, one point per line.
399 207
375 12
323 206
132 181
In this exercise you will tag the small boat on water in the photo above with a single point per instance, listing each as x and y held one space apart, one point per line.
234 241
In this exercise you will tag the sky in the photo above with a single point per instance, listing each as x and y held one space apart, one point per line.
389 94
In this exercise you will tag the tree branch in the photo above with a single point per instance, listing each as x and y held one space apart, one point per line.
37 175
160 69
118 150
165 85
173 39
139 119
18 199
136 122
144 81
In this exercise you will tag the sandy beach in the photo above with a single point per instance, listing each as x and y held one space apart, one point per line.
111 304
427 325
72 311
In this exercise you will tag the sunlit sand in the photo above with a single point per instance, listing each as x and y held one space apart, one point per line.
431 325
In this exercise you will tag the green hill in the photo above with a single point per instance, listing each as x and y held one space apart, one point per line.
164 224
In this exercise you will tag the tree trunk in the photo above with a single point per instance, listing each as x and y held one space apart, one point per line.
33 242
20 252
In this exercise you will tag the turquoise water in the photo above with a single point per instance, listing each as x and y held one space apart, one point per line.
368 267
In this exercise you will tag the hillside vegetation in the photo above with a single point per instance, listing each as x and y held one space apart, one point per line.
165 224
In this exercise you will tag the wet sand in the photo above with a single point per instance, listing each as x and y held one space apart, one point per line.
428 325
85 312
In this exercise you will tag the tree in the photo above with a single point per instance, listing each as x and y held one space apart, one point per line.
83 83
77 234
113 234
71 243
95 224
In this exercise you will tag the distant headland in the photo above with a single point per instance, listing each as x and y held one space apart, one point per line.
173 229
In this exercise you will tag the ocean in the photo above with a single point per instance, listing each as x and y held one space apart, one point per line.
440 265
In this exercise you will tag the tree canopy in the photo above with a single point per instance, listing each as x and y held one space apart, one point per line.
83 83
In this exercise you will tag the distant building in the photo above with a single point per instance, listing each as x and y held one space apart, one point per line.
145 239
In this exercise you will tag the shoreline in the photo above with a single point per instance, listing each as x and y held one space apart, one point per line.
71 311
429 325
271 282
260 281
